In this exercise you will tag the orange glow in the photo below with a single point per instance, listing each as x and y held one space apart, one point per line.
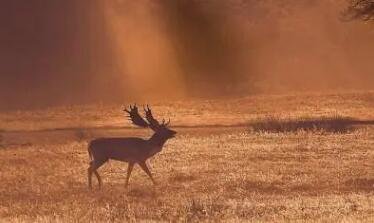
144 54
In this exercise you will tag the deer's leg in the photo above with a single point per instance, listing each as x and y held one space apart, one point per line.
143 165
90 176
98 178
94 165
129 169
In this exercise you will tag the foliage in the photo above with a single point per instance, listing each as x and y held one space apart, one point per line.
360 9
335 124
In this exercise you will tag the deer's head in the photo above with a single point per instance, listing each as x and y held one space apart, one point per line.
161 130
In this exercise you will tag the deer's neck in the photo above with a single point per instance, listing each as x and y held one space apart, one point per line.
157 140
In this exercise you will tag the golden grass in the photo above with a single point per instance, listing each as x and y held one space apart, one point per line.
199 112
205 174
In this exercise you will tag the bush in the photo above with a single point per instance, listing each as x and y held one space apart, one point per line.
335 124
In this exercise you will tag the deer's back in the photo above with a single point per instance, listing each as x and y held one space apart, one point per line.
124 149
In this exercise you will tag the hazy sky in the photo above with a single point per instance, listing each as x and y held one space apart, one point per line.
59 52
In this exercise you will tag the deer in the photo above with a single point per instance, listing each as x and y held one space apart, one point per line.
132 150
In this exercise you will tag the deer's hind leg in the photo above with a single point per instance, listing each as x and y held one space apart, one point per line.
129 170
94 165
143 165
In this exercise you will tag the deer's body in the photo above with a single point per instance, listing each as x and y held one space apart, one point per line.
122 149
131 149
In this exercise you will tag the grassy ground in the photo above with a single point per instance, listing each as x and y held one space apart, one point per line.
208 173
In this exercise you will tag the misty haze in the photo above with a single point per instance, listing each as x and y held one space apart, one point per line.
187 110
69 52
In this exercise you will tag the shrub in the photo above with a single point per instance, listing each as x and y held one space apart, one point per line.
334 124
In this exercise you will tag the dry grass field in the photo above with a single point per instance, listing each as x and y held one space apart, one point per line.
220 167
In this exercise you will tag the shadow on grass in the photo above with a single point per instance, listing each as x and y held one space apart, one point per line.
334 124
362 184
142 192
181 177
1 140
282 188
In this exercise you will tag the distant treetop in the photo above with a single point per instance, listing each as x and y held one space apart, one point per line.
360 9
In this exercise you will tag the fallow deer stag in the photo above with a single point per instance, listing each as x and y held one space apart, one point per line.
131 150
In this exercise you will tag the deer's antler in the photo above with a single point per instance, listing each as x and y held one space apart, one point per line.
135 117
165 123
153 123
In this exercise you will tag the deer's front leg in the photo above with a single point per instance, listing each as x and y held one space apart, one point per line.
89 177
129 169
143 165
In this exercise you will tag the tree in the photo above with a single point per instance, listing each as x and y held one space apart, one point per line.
360 9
